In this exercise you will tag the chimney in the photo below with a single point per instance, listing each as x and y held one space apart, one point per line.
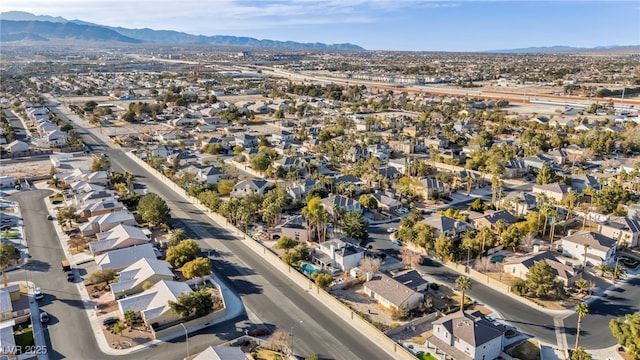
368 275
333 255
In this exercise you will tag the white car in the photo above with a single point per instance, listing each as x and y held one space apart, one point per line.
37 294
391 230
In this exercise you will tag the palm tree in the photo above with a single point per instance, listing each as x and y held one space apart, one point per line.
582 309
463 283
603 268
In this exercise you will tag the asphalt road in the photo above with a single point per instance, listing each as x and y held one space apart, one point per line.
271 300
595 332
523 317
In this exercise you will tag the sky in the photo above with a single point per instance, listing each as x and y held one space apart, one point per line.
407 25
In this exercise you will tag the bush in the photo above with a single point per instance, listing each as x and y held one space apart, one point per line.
518 286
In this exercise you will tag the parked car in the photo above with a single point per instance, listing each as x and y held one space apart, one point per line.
49 217
5 227
44 317
70 276
37 294
260 332
391 230
397 242
110 320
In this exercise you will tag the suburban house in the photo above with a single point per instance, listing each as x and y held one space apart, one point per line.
434 187
412 279
246 140
144 271
466 335
153 303
120 237
14 310
519 202
121 258
390 293
491 218
556 191
446 226
81 199
249 186
99 208
589 247
519 266
210 174
105 222
386 201
338 255
299 189
294 227
515 168
334 202
222 353
624 230
581 182
282 136
17 146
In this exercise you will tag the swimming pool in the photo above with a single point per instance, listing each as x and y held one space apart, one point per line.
497 259
308 268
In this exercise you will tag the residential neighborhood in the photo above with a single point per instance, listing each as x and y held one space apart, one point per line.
428 224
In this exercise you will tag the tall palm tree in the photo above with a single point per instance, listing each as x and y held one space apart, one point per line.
463 283
582 309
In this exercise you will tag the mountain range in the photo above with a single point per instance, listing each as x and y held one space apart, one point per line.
18 26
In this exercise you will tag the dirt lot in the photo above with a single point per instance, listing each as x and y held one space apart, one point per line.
26 168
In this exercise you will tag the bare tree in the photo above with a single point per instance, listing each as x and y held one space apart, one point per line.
528 241
369 265
410 258
279 341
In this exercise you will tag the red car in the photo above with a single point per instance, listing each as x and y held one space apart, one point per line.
260 332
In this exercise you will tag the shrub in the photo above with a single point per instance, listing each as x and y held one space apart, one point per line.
518 286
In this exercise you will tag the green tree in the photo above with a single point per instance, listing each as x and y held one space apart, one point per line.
100 163
627 331
67 215
194 304
106 276
355 226
368 202
286 243
518 286
546 175
513 234
541 280
609 197
176 236
260 162
582 309
130 317
210 199
444 248
225 187
154 210
182 253
322 280
7 254
295 256
580 354
196 268
463 283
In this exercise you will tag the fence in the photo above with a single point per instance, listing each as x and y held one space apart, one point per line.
340 309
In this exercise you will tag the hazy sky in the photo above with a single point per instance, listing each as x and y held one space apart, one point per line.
421 25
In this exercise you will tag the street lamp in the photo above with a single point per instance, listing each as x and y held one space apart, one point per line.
186 335
291 336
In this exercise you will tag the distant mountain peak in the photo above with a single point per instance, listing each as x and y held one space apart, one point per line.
26 16
13 31
558 48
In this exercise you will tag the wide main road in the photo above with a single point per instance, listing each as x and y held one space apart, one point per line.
270 298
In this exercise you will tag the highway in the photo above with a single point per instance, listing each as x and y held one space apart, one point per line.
270 298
